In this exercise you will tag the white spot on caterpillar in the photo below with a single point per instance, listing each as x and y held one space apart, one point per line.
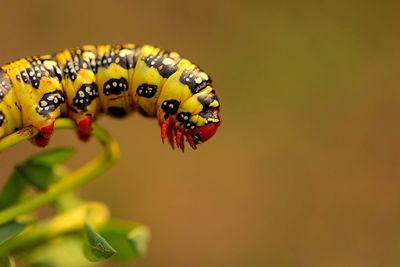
167 61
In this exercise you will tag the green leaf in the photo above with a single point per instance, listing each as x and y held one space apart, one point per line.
39 171
53 157
13 190
139 238
96 248
9 230
37 174
129 239
60 251
7 261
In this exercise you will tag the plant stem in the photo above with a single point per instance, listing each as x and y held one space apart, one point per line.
73 220
17 137
70 181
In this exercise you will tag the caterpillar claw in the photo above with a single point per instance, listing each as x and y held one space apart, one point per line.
167 128
164 129
170 136
190 139
85 129
179 139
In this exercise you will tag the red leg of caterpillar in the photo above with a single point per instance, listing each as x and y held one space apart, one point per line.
170 137
40 141
179 139
85 129
43 137
166 132
189 138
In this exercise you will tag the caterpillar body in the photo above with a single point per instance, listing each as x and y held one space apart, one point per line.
83 82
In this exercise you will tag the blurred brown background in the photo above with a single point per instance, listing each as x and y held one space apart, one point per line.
305 169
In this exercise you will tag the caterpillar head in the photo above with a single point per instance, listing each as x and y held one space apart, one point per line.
197 119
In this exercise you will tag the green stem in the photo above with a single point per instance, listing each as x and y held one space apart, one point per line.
70 181
73 220
17 137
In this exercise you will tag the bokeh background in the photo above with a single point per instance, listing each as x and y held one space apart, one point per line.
305 170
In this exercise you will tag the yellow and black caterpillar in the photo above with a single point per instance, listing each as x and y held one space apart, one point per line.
82 82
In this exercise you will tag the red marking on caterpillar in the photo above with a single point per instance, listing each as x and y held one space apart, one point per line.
85 128
207 131
43 138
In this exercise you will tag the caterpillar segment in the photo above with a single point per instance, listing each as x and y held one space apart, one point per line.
82 83
36 85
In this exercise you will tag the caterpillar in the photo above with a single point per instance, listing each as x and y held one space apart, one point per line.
86 81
